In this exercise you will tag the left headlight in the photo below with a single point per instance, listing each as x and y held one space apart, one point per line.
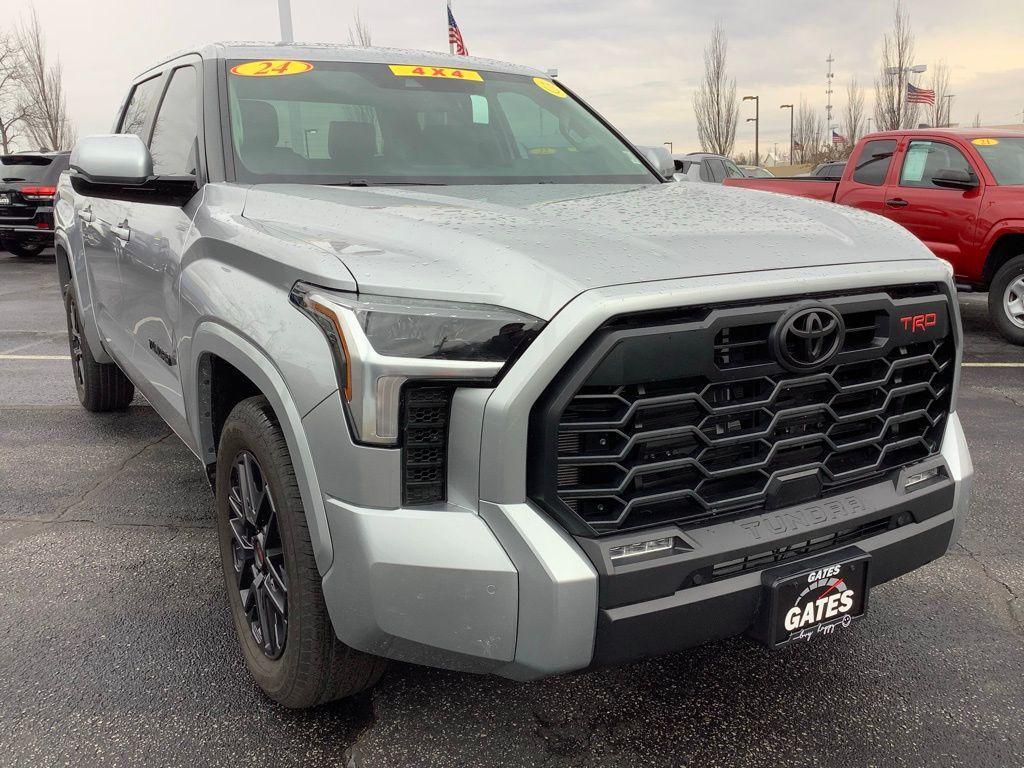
380 342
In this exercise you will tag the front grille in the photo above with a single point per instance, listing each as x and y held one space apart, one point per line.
686 422
425 410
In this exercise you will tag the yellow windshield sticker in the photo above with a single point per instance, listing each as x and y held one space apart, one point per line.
447 73
547 85
271 68
985 142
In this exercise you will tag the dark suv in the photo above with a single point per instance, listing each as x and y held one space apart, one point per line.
28 182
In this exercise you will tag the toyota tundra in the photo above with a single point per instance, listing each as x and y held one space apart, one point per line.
477 386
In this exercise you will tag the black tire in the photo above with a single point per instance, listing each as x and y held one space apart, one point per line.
1006 300
24 250
101 386
311 666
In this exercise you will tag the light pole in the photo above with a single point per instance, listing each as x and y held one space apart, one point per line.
284 10
790 108
305 135
756 120
869 125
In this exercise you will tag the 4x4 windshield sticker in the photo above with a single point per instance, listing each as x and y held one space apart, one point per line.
448 73
271 68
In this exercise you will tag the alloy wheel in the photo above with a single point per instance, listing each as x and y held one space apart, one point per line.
258 555
75 342
1013 302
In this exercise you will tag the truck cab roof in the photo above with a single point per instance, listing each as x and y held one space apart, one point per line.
341 53
954 133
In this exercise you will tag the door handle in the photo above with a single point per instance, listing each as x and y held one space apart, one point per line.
86 214
897 202
122 230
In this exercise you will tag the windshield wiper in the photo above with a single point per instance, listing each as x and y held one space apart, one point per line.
13 178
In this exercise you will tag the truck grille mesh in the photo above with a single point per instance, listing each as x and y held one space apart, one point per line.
688 449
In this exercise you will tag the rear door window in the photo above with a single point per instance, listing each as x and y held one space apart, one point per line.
873 162
715 168
140 107
732 171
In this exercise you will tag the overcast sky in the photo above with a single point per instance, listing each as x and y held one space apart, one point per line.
636 61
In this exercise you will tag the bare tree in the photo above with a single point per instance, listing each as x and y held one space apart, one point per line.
714 103
977 120
809 133
939 112
11 110
359 33
46 117
853 114
892 111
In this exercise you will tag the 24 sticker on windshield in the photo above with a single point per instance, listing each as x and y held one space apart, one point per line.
446 73
271 68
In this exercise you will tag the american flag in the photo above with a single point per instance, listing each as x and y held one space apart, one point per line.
798 146
838 138
455 36
917 95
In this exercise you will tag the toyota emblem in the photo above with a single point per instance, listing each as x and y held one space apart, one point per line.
808 337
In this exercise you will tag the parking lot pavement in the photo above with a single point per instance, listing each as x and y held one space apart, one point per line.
116 646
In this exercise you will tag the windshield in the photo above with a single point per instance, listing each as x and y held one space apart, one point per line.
330 122
24 168
1004 157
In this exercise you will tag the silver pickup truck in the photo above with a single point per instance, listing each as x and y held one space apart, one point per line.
477 387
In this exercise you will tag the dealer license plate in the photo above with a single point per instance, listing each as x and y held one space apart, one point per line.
810 600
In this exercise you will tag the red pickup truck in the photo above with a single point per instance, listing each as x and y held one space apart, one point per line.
961 191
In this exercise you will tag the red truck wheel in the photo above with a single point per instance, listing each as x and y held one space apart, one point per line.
1006 300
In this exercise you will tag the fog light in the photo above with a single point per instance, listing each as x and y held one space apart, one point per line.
919 477
640 548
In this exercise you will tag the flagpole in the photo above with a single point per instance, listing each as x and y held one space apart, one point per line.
451 45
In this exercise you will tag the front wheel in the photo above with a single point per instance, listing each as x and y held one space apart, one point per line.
1006 300
273 584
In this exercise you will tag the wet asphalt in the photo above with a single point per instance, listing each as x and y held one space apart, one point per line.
116 647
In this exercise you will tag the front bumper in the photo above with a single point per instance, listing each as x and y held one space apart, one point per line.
488 582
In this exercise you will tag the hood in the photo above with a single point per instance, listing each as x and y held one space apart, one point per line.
534 247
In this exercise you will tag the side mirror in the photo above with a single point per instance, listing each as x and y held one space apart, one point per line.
119 167
120 159
951 178
660 158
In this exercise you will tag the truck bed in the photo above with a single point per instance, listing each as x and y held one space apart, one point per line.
801 186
